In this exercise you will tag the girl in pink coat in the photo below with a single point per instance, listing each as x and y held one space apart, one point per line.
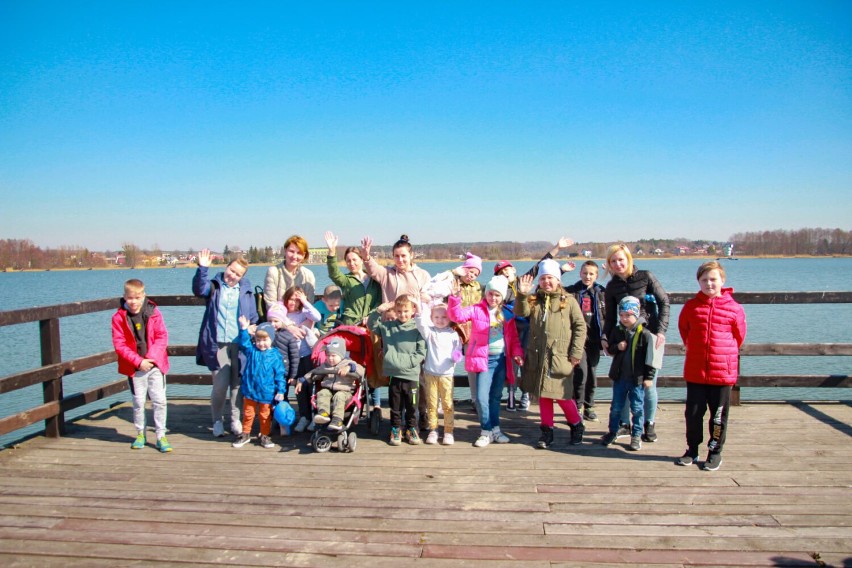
713 328
492 349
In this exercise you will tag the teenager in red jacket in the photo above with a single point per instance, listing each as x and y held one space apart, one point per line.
713 328
140 339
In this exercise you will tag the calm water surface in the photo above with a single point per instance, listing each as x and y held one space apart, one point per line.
84 335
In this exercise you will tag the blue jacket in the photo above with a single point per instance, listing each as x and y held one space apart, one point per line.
263 376
205 351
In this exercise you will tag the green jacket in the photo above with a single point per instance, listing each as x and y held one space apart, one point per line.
358 300
403 347
557 333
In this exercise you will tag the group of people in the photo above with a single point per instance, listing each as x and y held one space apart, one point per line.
517 331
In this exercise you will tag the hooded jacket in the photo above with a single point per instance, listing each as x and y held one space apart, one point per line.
205 351
595 323
557 334
713 330
476 357
639 342
263 376
358 300
124 340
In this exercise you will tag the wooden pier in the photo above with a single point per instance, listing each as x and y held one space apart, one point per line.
783 497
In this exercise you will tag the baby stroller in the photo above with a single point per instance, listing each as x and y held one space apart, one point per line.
360 350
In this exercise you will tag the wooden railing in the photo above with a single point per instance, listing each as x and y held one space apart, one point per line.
56 403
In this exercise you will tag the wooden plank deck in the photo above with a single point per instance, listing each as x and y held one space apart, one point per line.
781 498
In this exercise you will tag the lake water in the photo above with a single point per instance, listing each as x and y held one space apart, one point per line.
88 334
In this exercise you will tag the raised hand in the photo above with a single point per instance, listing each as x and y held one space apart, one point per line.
203 258
564 242
525 284
366 244
331 241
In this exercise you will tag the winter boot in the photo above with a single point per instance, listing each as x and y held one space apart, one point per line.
577 431
546 439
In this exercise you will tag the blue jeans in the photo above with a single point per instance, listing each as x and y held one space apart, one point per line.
622 391
489 391
650 405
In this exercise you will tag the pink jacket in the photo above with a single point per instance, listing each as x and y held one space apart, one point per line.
476 356
713 330
125 342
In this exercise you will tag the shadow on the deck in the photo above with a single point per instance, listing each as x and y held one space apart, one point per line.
781 497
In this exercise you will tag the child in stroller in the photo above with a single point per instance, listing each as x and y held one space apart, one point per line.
341 394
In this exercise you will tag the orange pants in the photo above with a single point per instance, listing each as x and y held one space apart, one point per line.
250 407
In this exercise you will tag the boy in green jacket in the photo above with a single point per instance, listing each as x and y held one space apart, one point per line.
404 352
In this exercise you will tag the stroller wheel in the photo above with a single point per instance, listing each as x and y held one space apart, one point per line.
353 441
322 443
342 442
375 421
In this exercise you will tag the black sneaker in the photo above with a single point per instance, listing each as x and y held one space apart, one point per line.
623 431
577 431
688 458
336 425
635 443
510 405
546 439
608 439
590 415
649 435
525 401
714 460
241 441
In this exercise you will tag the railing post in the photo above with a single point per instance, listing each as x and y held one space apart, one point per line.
51 354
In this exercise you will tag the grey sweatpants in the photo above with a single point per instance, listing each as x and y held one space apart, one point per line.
226 377
153 385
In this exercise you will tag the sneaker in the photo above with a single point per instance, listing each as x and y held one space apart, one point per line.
265 442
608 438
394 437
412 437
301 424
525 401
499 437
241 441
546 439
714 460
432 438
590 415
218 429
312 426
577 431
164 446
322 418
688 458
483 440
336 425
635 443
139 442
236 427
649 435
623 431
449 439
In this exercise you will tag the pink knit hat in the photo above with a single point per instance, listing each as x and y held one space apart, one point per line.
473 261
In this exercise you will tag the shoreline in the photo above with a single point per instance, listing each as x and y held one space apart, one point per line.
387 262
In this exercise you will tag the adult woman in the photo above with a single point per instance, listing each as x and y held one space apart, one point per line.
229 295
289 273
404 277
626 280
361 294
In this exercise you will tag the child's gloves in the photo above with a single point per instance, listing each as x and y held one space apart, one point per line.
457 355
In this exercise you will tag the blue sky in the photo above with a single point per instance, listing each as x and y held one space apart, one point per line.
192 124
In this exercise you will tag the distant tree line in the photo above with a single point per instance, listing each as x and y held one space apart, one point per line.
790 243
23 254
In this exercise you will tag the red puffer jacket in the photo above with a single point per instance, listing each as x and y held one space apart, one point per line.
713 329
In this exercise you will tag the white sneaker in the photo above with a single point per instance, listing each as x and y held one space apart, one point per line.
483 440
218 429
449 440
301 424
236 427
498 437
432 438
